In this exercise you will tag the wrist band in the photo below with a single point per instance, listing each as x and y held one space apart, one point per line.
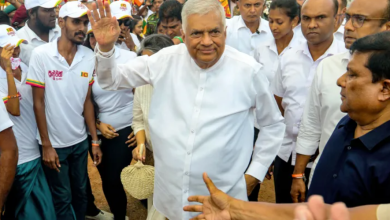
179 38
13 96
299 176
95 145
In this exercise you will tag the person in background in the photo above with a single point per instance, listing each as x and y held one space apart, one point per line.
4 19
299 65
220 206
30 197
146 10
151 45
9 155
322 110
122 11
159 28
10 11
151 23
136 30
20 18
284 16
61 73
41 27
339 28
247 31
170 18
114 120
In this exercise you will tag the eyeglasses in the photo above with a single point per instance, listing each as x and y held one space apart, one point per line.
126 22
358 20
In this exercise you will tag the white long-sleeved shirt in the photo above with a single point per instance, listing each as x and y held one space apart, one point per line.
201 120
292 82
322 110
240 37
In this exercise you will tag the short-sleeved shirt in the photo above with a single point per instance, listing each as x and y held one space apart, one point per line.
354 170
5 122
151 24
25 126
66 88
115 107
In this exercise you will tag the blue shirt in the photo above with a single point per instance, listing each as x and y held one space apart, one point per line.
354 171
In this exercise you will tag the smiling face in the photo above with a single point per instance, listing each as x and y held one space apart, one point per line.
367 9
205 38
318 20
280 24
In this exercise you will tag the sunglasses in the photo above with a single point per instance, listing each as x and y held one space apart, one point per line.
126 22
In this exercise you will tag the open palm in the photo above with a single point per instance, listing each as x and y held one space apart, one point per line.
214 207
104 26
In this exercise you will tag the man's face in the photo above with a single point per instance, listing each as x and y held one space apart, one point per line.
46 18
205 38
92 40
157 4
340 15
357 11
251 10
74 29
318 20
171 27
358 93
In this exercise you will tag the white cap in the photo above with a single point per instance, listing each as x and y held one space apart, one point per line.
120 9
8 36
73 9
29 4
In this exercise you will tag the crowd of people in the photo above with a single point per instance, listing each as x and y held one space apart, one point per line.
301 96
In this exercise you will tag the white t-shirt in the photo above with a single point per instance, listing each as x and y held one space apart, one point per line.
25 126
66 88
116 107
5 122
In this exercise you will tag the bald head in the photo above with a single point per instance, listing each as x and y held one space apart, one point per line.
334 4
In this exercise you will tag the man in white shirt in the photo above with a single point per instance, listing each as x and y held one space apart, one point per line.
8 155
206 92
40 27
322 110
339 29
292 80
247 31
61 75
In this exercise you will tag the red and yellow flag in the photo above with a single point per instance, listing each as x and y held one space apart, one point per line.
84 74
138 2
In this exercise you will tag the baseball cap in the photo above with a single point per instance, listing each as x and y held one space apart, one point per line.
20 15
41 3
120 9
73 9
8 36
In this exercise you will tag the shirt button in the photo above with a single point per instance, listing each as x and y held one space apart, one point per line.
349 147
335 176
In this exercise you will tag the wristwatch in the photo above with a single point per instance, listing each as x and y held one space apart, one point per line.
299 176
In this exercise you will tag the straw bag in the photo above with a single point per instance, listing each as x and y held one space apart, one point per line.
138 179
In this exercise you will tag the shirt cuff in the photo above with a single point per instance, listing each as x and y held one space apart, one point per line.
306 147
257 170
104 54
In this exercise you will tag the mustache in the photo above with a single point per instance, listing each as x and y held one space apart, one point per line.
80 33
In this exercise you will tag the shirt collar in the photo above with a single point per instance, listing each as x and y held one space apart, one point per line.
372 138
54 52
262 28
332 50
295 42
33 35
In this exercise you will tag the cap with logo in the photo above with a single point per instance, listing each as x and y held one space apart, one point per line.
73 10
8 36
41 3
120 9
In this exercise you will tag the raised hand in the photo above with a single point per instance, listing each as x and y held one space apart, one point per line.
105 27
6 55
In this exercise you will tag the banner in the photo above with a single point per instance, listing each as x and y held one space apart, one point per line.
225 5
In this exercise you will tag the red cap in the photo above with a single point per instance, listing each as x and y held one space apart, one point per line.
20 15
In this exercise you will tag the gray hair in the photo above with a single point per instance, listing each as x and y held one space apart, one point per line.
202 7
155 43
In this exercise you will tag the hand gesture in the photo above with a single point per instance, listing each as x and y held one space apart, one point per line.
126 37
107 130
50 157
6 55
97 155
298 189
214 207
131 140
105 28
136 153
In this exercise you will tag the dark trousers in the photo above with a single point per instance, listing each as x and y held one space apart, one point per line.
255 193
116 156
92 210
283 180
68 187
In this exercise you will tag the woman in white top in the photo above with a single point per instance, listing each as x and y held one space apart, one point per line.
30 196
150 45
114 111
284 16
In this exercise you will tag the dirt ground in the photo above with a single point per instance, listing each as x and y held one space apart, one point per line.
137 212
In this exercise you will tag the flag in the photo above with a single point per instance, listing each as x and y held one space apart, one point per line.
225 5
138 2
